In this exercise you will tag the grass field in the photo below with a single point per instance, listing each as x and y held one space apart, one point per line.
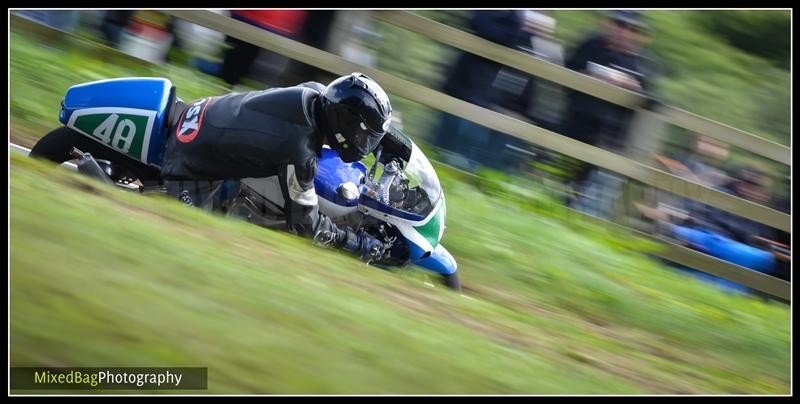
104 278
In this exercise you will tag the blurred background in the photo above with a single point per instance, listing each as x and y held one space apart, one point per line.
555 302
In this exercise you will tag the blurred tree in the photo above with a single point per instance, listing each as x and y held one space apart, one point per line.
766 33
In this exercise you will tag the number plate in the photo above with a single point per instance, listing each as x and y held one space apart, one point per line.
126 130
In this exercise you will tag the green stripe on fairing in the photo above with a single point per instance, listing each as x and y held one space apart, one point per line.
431 230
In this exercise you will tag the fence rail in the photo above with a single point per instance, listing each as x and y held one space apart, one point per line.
491 119
583 83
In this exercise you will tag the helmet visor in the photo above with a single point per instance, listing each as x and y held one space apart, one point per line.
365 140
376 124
362 132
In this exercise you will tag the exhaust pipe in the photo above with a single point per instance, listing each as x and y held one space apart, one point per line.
87 165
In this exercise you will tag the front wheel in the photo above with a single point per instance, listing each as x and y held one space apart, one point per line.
57 145
452 281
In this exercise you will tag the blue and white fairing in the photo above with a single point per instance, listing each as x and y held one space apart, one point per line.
129 115
332 172
336 184
411 199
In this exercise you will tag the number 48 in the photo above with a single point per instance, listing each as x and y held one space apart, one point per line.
123 135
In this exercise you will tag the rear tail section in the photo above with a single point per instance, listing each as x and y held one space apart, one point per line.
129 115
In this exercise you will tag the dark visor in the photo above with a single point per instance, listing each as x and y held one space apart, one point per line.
375 125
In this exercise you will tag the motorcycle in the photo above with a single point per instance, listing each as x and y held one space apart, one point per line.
117 129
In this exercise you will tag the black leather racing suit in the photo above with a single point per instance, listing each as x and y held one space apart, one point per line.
257 134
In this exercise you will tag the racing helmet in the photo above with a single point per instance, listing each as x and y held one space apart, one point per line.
357 112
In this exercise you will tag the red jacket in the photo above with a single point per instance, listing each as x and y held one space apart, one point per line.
284 22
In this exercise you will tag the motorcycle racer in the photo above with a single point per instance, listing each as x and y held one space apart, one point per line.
280 131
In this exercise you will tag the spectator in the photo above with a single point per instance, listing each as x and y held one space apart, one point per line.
704 166
748 183
114 22
241 56
725 235
473 79
472 75
546 105
315 32
522 95
616 55
709 156
146 34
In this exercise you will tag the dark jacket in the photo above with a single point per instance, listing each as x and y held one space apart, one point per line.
257 134
472 76
605 116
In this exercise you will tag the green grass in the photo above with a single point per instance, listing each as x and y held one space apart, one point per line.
100 277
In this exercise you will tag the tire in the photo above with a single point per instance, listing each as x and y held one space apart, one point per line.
57 145
452 281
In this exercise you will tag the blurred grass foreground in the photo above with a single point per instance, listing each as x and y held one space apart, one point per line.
100 277
104 278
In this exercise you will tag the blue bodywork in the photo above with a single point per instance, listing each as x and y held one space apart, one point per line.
152 94
440 261
332 172
373 203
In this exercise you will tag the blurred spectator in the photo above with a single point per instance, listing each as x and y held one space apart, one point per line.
515 90
309 27
726 236
747 183
756 186
520 94
242 54
354 36
145 34
477 80
199 40
114 22
546 105
472 76
315 32
616 55
717 232
148 35
705 165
